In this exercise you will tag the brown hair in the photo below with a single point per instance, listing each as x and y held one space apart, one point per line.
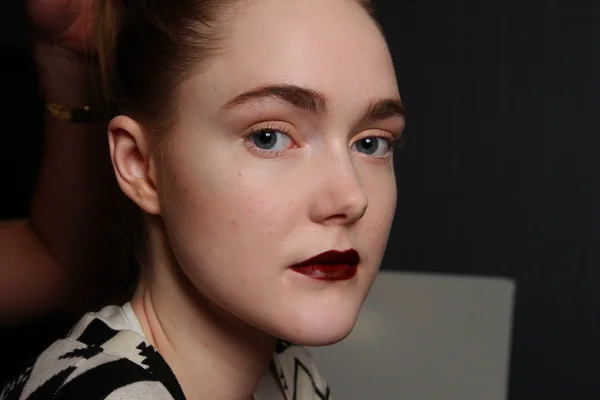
147 46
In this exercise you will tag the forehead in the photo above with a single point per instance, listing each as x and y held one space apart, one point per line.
328 45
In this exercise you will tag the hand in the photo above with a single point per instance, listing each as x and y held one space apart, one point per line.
67 25
64 49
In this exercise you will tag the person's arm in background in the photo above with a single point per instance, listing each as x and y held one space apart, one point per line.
70 252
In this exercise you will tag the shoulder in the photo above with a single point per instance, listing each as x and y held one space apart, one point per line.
69 369
298 373
94 362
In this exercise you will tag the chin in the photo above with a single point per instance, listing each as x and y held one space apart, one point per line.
322 339
314 327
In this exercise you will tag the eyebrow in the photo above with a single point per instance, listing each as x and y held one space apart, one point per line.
384 109
314 101
297 96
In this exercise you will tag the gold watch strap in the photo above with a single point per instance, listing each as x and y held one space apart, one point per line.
84 114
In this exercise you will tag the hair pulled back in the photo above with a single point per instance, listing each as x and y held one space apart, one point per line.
146 47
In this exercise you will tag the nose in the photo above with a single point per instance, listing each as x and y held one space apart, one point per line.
339 197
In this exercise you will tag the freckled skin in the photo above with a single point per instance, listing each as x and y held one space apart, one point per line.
234 219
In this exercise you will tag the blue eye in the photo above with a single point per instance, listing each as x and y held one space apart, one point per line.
271 140
373 146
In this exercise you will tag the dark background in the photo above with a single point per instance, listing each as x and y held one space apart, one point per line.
497 177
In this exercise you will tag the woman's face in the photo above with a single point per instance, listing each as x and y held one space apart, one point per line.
282 152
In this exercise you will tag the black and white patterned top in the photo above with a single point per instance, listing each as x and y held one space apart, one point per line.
105 357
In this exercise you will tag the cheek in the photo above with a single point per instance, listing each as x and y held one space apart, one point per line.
220 203
379 185
380 188
253 207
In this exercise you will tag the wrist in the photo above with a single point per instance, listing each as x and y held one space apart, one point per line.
66 78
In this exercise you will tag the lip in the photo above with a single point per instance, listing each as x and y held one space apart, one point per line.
331 265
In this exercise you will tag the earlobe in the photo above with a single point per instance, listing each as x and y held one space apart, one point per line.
131 158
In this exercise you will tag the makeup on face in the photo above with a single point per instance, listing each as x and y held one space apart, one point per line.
331 265
278 152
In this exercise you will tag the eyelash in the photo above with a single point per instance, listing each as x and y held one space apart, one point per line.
270 126
394 142
399 142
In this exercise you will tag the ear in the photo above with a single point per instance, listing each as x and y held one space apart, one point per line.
133 164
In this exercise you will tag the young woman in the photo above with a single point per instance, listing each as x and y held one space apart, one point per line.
256 136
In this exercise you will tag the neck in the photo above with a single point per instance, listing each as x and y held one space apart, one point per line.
213 355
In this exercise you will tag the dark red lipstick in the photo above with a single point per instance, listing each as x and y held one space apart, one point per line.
330 266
